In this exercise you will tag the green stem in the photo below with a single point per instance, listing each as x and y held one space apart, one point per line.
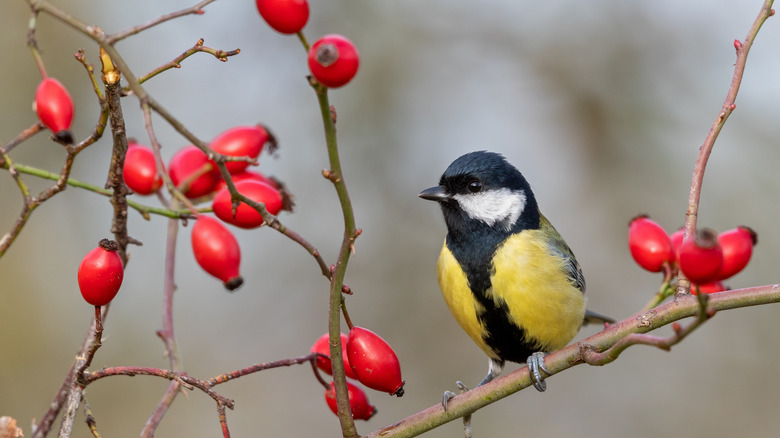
336 176
145 210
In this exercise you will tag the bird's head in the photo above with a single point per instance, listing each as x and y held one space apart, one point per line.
482 190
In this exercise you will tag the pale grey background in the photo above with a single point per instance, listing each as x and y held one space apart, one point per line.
602 104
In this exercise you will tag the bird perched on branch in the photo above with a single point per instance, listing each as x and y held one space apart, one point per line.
506 274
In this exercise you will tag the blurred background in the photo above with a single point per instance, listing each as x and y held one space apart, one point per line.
601 104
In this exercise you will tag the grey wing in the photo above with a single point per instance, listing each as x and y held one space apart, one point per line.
557 245
572 267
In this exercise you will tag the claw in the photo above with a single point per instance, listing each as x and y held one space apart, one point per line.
536 366
448 395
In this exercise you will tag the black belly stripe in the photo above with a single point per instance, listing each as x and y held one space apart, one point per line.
475 257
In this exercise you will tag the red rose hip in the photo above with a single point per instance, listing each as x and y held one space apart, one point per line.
701 256
140 170
737 245
188 162
333 60
216 250
650 246
374 362
55 108
284 16
358 402
248 174
100 273
241 141
322 346
246 216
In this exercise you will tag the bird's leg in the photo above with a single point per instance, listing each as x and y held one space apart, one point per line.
536 365
495 366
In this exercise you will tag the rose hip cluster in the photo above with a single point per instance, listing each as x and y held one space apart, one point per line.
706 258
368 359
333 59
196 175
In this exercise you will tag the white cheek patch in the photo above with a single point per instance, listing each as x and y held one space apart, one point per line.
502 206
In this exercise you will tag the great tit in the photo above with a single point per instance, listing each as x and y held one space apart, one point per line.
507 276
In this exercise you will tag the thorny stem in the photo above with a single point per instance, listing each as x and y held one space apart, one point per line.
337 276
742 48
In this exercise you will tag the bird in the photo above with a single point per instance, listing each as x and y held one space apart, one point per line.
506 274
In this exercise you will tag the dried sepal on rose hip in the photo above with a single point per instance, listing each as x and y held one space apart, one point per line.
649 244
358 402
701 256
216 250
100 273
374 362
322 346
55 108
333 60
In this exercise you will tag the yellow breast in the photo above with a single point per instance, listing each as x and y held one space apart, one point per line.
541 298
533 283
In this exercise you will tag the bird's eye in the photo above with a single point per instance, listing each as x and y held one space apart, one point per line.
475 186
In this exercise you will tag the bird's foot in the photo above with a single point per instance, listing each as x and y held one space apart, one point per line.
448 395
536 366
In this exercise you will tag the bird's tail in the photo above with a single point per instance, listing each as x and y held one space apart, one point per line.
596 318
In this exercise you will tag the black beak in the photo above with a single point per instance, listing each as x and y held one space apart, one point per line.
434 194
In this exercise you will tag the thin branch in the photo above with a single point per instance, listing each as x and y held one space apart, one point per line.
144 210
221 55
187 381
78 382
675 310
167 333
162 408
119 36
32 42
23 136
90 419
742 48
222 378
336 176
592 357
